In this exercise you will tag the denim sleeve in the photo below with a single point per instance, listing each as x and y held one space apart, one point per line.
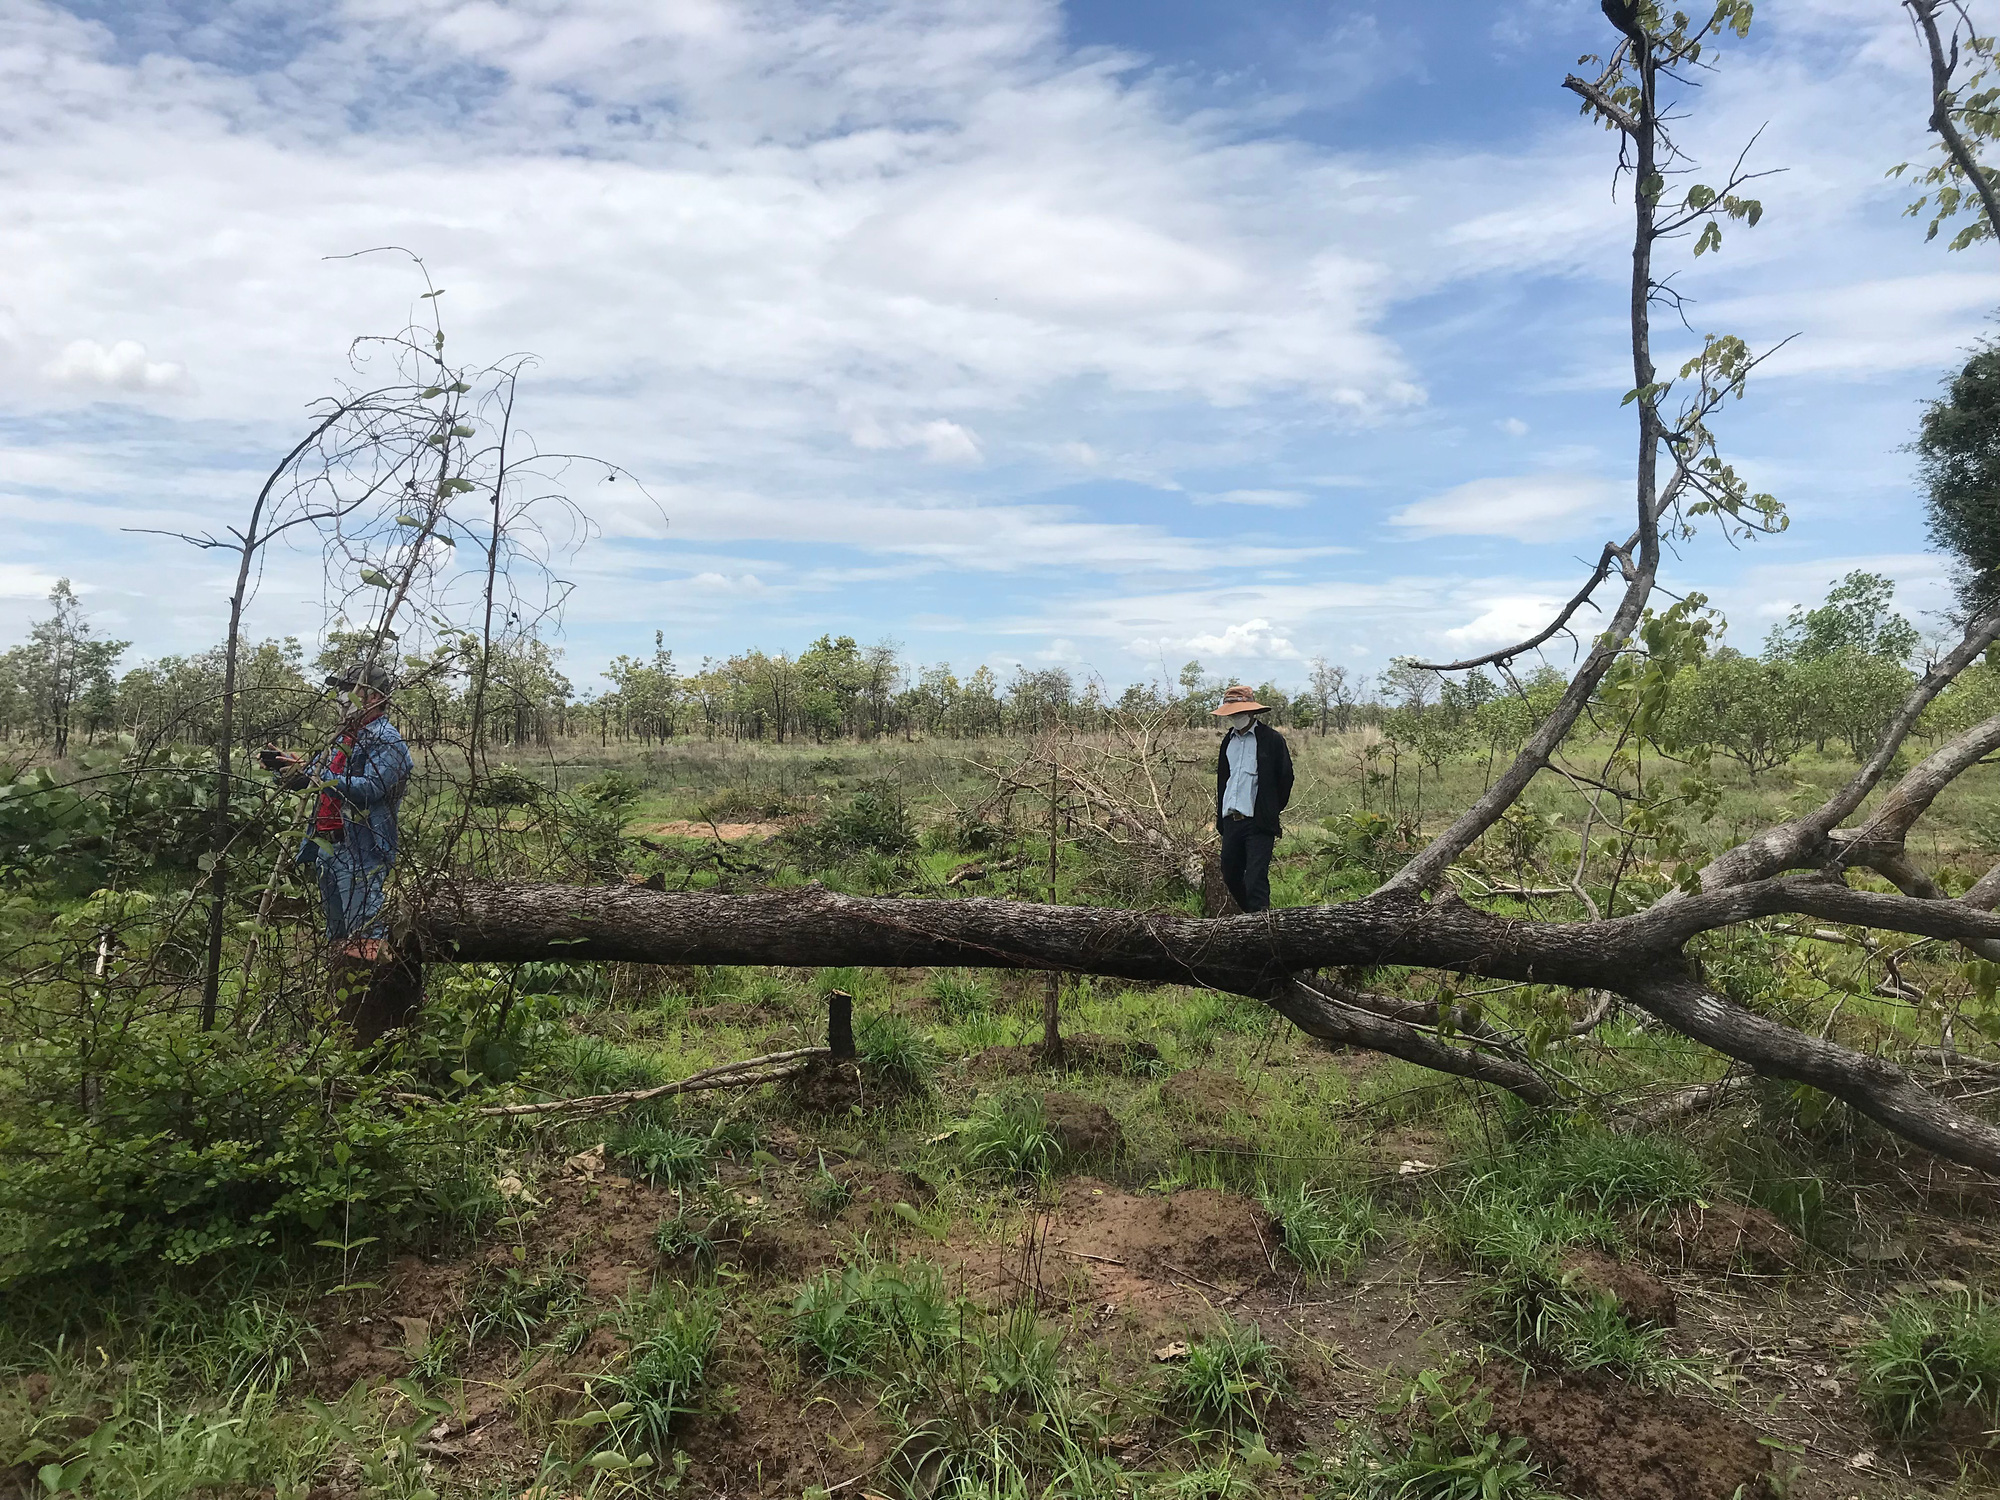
381 777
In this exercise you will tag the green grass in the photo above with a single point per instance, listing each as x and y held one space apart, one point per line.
1228 1382
664 1155
1448 1452
1927 1355
1326 1231
671 1336
849 1321
1010 1135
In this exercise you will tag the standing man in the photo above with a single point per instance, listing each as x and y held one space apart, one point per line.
1253 784
353 836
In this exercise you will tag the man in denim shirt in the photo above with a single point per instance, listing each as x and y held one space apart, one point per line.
353 837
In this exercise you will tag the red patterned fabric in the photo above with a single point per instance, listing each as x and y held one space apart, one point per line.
326 816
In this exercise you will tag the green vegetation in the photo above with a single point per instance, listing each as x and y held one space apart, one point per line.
1929 1355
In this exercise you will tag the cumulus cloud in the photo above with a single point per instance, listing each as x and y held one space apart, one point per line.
1527 507
23 581
87 365
1255 639
1514 617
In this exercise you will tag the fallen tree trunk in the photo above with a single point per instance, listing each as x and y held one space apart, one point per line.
1268 956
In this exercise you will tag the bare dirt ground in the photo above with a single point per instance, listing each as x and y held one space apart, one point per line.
1135 1275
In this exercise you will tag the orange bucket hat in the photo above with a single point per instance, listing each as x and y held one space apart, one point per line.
1239 700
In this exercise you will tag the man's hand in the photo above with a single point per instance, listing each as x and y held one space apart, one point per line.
289 769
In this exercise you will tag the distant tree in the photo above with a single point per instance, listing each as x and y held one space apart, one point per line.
1332 694
1856 619
1958 460
1753 712
61 667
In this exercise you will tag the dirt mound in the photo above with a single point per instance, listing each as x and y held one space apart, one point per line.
1641 1296
1722 1237
1196 1233
1608 1441
1087 1053
826 1086
1205 1094
1082 1127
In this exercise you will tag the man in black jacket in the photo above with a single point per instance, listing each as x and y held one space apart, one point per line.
1253 783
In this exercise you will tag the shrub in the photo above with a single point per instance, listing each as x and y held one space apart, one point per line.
156 1141
1326 1232
504 786
1229 1381
1929 1354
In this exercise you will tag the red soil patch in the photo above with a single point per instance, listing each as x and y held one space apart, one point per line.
1609 1441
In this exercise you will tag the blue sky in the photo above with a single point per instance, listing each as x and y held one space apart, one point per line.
1102 334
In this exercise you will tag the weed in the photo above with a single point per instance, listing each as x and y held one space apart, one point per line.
1011 1134
826 1195
1325 1231
1450 1453
1929 1354
516 1303
895 1052
1588 1332
672 1334
678 1239
1229 1380
960 994
664 1155
848 1322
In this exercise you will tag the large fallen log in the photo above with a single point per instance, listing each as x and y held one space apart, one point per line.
1263 956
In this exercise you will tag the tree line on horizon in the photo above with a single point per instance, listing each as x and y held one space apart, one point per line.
1833 674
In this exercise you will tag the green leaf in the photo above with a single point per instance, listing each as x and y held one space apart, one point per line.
408 521
458 387
376 578
455 487
436 390
462 1078
462 430
428 295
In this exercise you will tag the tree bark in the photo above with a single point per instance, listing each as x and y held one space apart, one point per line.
1268 956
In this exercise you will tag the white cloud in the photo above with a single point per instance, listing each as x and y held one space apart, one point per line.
1512 426
87 365
1277 499
23 581
1528 507
1514 617
942 442
1256 640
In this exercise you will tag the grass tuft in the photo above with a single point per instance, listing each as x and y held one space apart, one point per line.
1011 1134
848 1323
1326 1231
1928 1355
1229 1382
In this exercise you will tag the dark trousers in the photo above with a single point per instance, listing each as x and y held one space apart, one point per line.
1246 863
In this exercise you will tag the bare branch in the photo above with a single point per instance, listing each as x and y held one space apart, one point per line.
1612 552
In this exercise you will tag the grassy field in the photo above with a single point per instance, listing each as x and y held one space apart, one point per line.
1204 1257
